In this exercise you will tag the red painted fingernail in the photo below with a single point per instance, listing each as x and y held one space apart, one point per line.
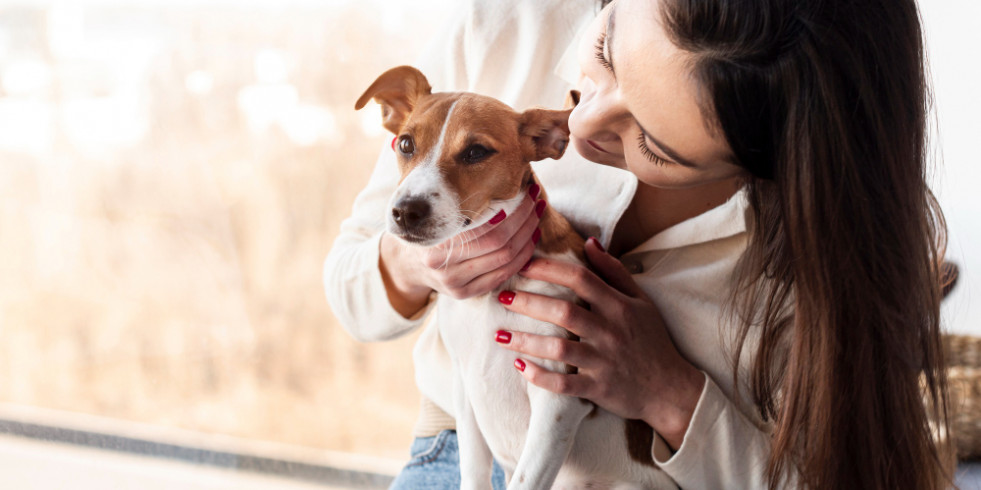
393 142
518 363
498 217
597 243
506 297
527 264
537 235
533 190
503 337
540 208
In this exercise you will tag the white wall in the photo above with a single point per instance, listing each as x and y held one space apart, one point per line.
953 43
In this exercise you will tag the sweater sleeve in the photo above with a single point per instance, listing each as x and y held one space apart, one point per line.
352 278
722 448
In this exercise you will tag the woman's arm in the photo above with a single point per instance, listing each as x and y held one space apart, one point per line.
628 364
353 280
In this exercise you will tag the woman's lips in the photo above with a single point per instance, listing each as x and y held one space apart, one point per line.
594 145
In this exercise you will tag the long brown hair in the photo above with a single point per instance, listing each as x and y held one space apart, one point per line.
825 103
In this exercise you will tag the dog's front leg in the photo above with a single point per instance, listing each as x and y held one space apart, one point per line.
476 460
552 430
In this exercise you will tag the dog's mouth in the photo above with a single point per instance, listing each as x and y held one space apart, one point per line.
432 234
425 234
414 237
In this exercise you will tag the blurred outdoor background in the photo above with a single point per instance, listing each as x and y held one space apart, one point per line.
173 173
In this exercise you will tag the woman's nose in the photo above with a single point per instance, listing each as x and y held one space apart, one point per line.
599 114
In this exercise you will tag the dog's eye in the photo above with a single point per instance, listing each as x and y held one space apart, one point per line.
406 146
476 153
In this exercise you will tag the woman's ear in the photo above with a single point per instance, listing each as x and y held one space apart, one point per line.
544 133
397 90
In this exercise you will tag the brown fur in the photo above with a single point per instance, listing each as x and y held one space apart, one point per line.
640 439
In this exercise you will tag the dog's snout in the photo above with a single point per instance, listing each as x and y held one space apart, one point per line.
409 213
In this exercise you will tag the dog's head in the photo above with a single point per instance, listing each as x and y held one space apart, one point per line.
463 157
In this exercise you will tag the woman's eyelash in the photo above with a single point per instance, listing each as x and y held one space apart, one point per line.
646 151
601 52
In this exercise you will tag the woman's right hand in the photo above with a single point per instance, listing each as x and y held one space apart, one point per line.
468 265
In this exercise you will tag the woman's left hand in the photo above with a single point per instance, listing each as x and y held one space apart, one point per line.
626 360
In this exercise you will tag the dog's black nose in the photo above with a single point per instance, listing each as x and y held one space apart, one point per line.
409 213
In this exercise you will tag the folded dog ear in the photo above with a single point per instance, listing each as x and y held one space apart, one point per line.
544 133
397 90
572 99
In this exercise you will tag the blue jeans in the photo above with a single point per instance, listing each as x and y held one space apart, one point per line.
435 465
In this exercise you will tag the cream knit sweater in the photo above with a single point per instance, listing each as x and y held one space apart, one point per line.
523 53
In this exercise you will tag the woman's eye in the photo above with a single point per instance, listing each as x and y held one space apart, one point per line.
406 146
600 52
646 151
475 153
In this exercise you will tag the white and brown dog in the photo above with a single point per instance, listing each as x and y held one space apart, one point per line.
456 147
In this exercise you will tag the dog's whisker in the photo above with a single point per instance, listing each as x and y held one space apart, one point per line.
449 254
467 199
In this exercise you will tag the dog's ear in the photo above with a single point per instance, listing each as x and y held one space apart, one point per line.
397 90
544 133
572 99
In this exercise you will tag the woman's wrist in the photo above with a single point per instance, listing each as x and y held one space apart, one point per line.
406 295
672 413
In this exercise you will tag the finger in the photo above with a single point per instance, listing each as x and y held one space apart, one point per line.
490 281
504 255
558 349
576 277
564 384
611 269
505 228
472 244
569 316
496 238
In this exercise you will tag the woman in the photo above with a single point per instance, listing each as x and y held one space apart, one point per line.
779 305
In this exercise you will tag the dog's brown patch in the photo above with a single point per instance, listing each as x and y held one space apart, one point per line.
640 440
558 235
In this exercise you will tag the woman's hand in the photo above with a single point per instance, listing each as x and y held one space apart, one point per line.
467 265
626 360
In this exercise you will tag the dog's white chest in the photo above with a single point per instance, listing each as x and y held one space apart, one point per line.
469 326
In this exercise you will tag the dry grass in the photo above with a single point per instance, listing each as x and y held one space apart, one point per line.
177 280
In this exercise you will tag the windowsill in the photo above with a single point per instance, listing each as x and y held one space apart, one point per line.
87 451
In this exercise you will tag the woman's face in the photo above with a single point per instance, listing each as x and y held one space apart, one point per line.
638 108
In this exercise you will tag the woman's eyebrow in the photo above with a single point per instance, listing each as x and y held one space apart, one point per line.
609 37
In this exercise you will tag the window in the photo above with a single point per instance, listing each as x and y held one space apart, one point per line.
173 176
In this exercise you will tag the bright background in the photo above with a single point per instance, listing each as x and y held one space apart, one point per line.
172 174
953 41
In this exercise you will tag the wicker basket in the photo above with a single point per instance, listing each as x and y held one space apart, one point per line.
963 355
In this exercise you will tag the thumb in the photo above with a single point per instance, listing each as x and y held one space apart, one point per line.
610 269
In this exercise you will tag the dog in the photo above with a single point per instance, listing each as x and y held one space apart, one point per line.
454 147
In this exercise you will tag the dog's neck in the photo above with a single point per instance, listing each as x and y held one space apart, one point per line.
558 235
